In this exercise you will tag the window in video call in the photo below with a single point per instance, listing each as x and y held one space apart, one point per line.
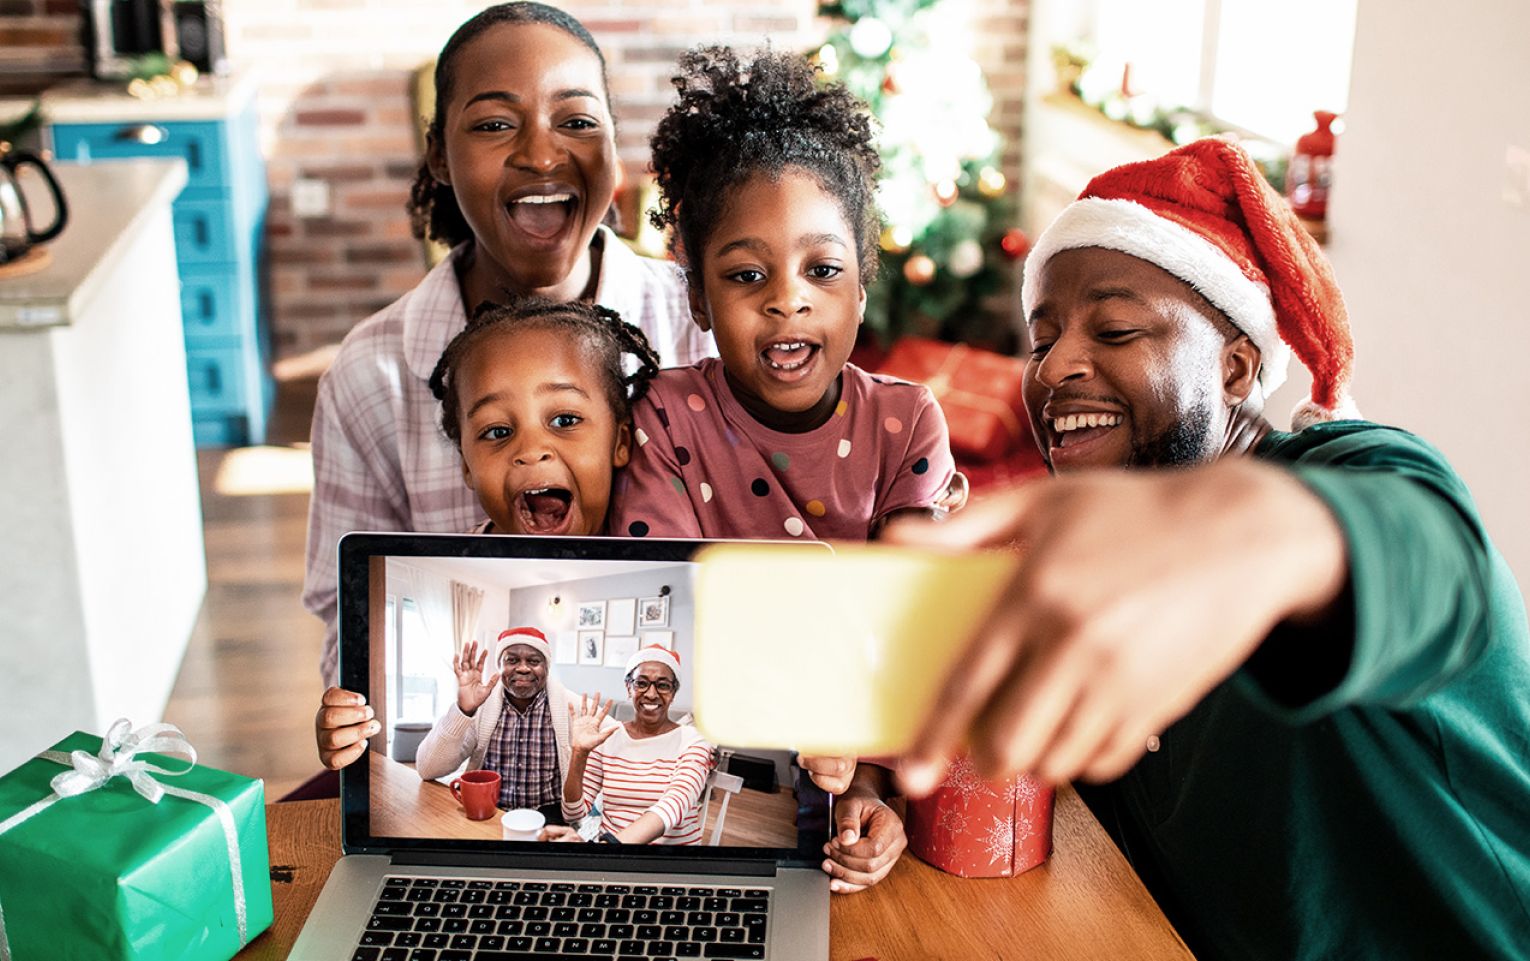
616 633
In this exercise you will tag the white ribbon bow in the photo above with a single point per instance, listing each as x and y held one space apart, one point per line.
118 757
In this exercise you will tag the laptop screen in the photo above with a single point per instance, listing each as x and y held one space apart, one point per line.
570 731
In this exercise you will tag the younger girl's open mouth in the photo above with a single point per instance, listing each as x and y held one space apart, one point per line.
545 510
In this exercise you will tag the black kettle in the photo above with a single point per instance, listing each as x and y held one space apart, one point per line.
17 234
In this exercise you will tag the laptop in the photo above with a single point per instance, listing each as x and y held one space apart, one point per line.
421 881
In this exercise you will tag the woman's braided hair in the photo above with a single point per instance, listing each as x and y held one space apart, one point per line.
605 335
735 120
433 209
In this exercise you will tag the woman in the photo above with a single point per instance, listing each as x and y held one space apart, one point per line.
649 772
518 173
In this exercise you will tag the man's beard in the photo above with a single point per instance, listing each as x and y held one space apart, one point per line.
1187 442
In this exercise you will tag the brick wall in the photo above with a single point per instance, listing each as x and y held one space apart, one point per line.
39 44
334 81
1001 32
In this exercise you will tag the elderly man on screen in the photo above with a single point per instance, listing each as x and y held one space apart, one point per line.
1295 659
513 722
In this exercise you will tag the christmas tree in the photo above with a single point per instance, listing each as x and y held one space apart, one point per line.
948 242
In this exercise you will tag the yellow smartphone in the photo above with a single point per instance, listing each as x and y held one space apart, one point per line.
840 652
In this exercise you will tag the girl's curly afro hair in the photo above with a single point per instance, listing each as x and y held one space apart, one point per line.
735 120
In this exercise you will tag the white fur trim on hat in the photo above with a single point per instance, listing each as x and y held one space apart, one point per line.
517 635
1308 412
1130 228
655 654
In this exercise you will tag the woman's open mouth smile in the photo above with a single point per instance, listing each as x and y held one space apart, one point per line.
544 215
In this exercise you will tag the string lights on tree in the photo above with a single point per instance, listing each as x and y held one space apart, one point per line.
946 205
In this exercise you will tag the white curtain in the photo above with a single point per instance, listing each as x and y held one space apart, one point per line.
467 601
433 598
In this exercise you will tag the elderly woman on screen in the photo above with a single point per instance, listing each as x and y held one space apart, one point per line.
649 771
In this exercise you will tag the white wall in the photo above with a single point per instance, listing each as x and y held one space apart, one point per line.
494 616
529 605
1434 264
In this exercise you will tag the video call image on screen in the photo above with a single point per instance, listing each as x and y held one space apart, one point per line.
503 770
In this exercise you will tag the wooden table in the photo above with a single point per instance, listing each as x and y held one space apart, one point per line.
404 806
1084 903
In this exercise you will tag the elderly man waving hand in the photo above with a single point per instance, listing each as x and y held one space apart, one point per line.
1296 657
514 722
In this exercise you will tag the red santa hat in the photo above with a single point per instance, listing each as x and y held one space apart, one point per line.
1204 213
529 636
657 654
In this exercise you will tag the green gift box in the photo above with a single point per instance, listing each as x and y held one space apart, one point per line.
92 869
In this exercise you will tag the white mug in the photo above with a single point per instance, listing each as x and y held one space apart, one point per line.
522 824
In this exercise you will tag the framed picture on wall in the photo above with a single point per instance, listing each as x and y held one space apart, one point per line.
567 649
592 616
661 638
591 646
618 649
653 611
621 616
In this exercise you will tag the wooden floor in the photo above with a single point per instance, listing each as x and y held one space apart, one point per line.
249 684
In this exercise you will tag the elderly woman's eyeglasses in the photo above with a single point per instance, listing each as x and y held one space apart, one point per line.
642 684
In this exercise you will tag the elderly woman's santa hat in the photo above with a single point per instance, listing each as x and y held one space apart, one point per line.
1204 213
529 636
656 654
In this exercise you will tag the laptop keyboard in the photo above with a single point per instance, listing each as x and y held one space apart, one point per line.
462 919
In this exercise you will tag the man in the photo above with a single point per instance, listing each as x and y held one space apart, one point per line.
1298 655
514 722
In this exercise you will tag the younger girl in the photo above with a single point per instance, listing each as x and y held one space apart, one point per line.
768 179
535 400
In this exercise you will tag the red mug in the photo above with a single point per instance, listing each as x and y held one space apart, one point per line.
478 793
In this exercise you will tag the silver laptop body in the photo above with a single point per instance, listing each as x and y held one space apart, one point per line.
363 911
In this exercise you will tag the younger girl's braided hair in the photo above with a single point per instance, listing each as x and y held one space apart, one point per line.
606 337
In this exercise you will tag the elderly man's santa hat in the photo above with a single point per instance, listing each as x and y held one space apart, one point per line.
529 636
1204 214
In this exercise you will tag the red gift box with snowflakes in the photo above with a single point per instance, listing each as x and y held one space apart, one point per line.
978 390
976 828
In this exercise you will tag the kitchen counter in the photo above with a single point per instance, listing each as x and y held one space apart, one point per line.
90 101
102 569
107 204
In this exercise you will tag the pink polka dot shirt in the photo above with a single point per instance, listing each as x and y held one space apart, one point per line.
703 467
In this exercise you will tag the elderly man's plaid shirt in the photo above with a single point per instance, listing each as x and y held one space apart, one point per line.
380 461
525 754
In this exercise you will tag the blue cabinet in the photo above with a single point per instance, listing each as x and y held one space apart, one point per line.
219 220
